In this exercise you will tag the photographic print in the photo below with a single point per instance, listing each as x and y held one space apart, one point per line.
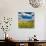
26 19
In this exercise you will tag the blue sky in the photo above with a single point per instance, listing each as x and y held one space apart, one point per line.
26 16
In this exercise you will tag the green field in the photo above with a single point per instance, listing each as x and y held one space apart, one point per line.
26 24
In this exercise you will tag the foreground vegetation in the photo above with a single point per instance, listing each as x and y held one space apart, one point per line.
26 24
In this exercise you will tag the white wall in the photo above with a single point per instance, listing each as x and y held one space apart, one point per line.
11 8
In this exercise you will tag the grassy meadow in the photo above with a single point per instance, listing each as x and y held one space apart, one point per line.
26 24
